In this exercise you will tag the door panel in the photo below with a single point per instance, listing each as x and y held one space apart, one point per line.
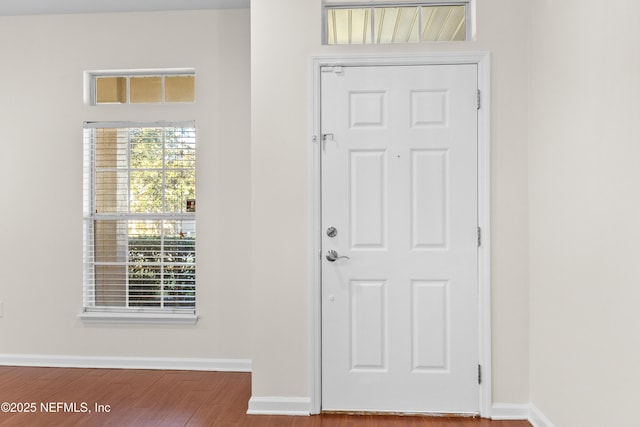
368 325
429 194
368 188
399 184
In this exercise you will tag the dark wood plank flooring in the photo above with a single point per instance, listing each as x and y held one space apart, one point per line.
164 398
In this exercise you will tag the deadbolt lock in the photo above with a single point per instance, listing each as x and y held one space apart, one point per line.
332 232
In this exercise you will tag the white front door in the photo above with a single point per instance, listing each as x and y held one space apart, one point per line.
399 208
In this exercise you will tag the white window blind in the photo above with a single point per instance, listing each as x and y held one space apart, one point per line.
369 22
139 217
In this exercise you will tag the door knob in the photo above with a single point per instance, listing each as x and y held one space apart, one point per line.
333 256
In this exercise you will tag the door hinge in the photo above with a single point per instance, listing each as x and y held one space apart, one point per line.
478 100
479 236
479 374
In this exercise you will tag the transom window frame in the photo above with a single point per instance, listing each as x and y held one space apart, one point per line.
95 313
469 6
90 83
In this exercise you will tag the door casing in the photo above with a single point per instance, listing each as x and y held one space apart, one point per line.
482 59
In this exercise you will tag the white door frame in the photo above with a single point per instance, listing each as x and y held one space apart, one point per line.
482 60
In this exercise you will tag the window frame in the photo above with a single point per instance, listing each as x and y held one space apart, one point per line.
127 314
90 85
328 5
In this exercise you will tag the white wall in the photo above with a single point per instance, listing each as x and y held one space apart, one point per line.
585 212
285 34
41 116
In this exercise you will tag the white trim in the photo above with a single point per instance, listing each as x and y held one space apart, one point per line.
529 412
482 59
298 406
315 294
186 364
142 318
106 124
484 222
537 418
509 411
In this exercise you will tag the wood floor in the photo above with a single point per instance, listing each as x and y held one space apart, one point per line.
112 397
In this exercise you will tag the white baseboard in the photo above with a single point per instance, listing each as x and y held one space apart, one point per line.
188 364
509 411
279 406
537 418
529 412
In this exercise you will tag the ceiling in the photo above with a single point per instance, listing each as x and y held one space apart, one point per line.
50 7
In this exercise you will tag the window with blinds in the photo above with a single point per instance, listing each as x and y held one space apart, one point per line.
365 22
139 217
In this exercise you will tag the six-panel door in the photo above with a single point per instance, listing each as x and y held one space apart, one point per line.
399 185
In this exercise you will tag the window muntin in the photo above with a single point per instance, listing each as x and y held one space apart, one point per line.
142 88
397 23
140 226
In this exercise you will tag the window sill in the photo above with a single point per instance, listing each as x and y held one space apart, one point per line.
140 318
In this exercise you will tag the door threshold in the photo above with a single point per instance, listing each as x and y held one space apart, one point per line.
401 414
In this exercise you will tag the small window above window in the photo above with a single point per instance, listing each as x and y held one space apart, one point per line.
351 23
142 87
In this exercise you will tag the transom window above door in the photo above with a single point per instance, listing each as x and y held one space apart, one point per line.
395 22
